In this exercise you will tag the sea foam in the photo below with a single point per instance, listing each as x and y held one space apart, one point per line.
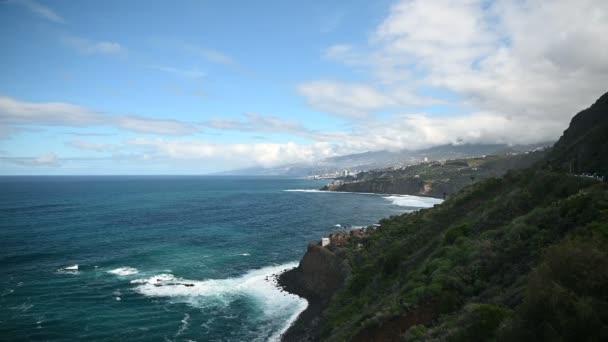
259 285
124 271
414 201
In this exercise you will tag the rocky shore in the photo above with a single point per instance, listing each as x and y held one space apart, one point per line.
320 274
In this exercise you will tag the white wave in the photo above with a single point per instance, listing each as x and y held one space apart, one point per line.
258 285
338 225
276 337
414 201
245 254
67 270
332 192
124 271
71 268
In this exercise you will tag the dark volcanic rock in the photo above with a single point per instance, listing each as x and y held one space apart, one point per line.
320 274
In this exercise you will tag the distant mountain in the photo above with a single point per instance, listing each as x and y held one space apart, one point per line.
382 159
583 148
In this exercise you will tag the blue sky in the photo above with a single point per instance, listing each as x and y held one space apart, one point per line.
191 87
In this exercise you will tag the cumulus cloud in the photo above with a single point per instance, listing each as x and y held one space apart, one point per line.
346 99
264 154
408 131
14 112
527 65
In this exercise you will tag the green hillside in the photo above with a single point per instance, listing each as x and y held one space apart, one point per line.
518 258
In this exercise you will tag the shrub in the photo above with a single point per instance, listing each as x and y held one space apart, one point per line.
480 322
566 296
454 233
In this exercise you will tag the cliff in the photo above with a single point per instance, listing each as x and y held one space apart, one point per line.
436 179
319 275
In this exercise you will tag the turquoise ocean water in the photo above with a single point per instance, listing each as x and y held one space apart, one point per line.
162 258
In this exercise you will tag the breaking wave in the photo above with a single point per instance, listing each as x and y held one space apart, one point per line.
414 201
124 271
258 285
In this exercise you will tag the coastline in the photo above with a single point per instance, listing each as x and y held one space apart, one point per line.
321 272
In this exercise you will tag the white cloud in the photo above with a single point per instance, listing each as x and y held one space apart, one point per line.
51 113
345 99
531 64
155 126
90 47
259 123
14 112
412 131
46 160
41 11
265 154
92 145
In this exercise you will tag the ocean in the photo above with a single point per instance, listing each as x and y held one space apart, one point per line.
163 258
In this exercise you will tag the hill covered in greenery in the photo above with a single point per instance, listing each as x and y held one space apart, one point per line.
523 257
584 146
435 178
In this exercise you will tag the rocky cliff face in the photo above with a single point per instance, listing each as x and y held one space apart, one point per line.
382 186
320 274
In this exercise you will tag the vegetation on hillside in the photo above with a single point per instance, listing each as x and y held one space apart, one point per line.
466 264
518 258
584 146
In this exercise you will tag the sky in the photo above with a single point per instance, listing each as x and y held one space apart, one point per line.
196 87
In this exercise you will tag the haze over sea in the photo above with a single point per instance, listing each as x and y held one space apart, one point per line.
162 257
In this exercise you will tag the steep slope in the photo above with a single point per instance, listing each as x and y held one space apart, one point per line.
584 146
518 258
436 269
